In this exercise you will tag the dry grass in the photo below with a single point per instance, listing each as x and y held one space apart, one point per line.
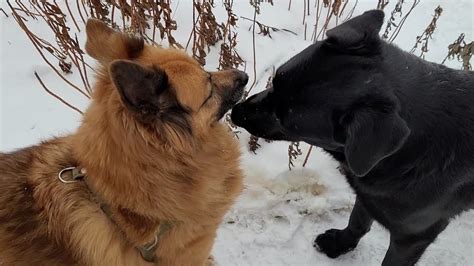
329 10
462 51
229 57
395 25
293 152
154 21
253 144
423 39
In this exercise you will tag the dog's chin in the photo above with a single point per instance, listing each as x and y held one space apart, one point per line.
224 109
221 113
229 103
256 129
274 136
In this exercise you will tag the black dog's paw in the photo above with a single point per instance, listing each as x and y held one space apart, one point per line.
334 243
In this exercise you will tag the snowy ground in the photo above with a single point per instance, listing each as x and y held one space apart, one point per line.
276 219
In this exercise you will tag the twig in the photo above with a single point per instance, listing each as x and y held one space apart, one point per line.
342 9
293 152
72 16
3 11
316 18
351 13
326 23
112 20
402 22
85 10
80 13
381 4
427 34
253 144
305 29
462 50
304 12
193 31
35 44
261 25
246 94
56 96
307 155
25 10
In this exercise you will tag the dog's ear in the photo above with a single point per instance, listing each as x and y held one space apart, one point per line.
357 33
374 130
140 87
105 44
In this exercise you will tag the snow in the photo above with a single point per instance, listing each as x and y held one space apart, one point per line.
277 217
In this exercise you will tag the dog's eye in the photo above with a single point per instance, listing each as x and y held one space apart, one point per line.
211 93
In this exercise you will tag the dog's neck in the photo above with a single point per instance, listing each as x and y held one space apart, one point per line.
428 94
137 178
121 171
417 83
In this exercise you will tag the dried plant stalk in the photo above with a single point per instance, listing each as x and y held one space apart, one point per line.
42 45
393 29
427 34
334 10
293 152
307 155
138 16
207 31
382 4
253 144
229 57
462 51
56 96
4 13
266 30
256 6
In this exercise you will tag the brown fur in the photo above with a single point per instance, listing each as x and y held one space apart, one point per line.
179 165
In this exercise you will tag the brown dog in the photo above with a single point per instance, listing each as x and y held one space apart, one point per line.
153 170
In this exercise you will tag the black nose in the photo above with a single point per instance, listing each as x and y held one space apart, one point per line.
237 115
242 78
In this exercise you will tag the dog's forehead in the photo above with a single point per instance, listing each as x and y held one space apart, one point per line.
299 61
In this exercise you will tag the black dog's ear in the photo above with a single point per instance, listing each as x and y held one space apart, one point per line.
357 32
373 132
139 86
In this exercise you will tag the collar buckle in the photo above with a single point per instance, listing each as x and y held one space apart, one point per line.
76 174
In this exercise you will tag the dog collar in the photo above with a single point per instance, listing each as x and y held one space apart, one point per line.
147 251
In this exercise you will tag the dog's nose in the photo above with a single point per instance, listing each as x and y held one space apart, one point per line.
236 115
242 78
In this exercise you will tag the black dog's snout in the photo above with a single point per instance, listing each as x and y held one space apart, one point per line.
237 115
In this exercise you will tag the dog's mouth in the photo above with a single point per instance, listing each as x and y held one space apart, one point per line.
258 121
231 99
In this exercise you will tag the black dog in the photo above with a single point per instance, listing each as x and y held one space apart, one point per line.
401 128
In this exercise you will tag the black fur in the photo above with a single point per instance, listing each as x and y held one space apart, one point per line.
401 128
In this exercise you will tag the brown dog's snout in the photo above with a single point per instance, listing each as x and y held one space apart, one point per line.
230 79
242 78
230 86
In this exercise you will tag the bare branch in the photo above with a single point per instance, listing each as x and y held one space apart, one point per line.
56 96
